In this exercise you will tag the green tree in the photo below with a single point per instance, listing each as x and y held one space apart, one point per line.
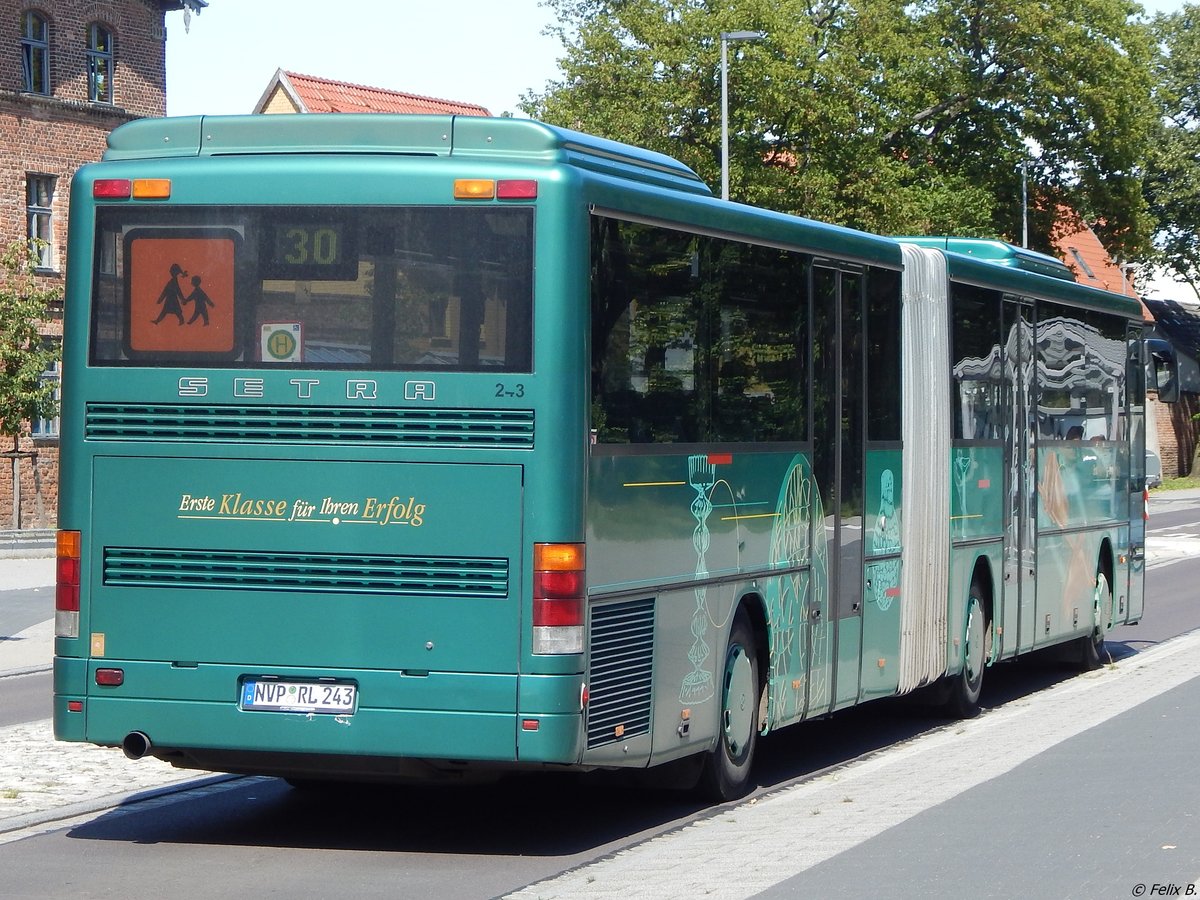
874 114
1173 169
24 355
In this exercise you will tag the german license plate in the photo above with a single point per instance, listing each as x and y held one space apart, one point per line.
298 696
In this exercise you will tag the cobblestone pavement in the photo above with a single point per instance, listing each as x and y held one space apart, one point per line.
44 780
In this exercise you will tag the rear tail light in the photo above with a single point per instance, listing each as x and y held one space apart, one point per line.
558 598
66 591
112 188
1145 505
138 188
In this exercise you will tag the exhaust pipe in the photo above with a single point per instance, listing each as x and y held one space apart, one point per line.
136 745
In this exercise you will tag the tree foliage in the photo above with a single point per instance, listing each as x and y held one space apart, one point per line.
24 356
896 118
1173 170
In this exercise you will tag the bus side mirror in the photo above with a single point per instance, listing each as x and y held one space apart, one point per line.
1166 376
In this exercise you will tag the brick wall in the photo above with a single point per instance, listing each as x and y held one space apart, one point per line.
54 135
1178 432
37 468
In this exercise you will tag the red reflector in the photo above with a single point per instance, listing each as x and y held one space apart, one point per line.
110 677
720 459
530 724
516 189
552 613
74 706
558 585
112 188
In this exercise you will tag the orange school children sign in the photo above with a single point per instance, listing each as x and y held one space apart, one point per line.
181 291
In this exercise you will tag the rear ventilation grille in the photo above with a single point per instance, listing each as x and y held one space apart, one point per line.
484 428
411 576
622 657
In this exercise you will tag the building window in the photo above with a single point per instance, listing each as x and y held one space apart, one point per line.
35 54
1087 270
48 428
100 64
39 200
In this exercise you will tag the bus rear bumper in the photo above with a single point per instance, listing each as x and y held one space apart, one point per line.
193 719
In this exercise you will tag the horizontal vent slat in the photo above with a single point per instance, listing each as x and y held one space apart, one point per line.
329 573
620 684
504 429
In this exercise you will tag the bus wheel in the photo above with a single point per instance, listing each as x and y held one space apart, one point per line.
726 774
1092 646
967 685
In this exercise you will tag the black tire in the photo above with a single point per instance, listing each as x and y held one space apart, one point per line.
966 687
1091 647
727 767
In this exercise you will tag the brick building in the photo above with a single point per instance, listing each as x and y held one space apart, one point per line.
70 72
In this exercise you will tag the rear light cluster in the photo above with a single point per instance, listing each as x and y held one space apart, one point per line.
66 591
137 188
492 189
558 598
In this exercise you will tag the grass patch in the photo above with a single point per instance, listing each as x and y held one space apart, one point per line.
1178 484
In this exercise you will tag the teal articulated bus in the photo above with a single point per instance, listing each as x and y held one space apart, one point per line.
403 447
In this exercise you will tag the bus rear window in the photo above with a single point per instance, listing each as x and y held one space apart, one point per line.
441 288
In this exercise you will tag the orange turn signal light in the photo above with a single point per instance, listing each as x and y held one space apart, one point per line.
558 557
474 189
151 188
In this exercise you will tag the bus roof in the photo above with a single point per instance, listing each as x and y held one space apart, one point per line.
986 262
408 135
1001 266
997 252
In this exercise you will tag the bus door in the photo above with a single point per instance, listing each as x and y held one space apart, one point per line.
1020 533
837 404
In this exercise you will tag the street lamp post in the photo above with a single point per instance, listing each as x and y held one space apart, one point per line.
726 37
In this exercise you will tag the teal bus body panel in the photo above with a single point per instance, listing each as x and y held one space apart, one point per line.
698 533
644 509
410 715
977 493
176 579
394 732
880 676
